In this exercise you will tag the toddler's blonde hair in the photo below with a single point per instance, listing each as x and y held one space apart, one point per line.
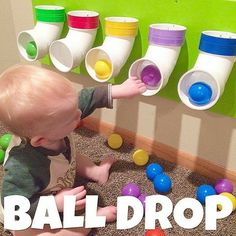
32 98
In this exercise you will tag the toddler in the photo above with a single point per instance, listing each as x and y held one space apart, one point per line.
42 108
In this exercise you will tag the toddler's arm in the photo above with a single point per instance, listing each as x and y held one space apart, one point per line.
80 194
129 88
92 98
19 181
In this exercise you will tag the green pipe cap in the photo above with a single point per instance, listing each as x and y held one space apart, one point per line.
49 13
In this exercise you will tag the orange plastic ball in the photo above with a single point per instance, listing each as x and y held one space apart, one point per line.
155 232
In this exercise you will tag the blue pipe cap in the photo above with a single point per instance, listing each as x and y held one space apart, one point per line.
200 93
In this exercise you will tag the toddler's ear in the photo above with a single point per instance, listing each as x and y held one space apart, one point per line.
36 141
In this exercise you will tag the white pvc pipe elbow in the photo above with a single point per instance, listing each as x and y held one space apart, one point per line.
69 52
201 87
106 61
155 68
34 44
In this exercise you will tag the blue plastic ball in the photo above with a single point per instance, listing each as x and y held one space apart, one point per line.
200 93
162 183
152 170
203 191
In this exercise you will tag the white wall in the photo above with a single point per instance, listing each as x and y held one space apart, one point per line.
200 133
8 48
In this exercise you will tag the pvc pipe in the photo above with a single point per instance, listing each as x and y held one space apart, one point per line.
106 61
34 44
155 68
201 87
69 52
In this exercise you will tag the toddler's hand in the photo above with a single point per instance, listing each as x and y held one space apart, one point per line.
80 194
129 88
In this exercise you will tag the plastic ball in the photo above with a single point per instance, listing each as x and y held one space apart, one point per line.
102 69
151 76
2 156
231 197
162 183
155 232
200 93
203 191
31 49
140 157
115 141
131 189
223 185
5 140
152 170
142 199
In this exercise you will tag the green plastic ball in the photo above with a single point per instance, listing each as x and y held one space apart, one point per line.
5 140
2 155
31 49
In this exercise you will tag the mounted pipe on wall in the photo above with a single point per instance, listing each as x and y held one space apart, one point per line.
154 69
68 53
201 87
106 61
34 44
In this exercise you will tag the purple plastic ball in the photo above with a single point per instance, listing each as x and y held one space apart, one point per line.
151 75
131 189
142 199
223 185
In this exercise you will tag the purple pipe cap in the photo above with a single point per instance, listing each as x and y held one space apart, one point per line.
167 34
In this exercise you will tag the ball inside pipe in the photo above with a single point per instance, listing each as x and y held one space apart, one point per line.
31 49
102 69
151 76
200 93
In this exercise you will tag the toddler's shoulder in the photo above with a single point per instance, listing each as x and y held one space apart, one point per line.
25 156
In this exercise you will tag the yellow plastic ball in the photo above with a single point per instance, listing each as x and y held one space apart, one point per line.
115 141
102 69
231 197
140 157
